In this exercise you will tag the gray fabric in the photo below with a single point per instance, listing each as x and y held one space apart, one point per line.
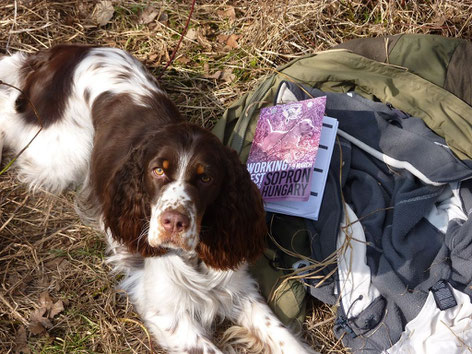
406 254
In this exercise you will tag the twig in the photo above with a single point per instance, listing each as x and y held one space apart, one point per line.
15 14
15 313
35 135
144 329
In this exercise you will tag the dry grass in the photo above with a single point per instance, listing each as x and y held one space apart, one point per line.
48 258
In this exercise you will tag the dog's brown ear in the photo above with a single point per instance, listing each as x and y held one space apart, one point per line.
234 227
126 205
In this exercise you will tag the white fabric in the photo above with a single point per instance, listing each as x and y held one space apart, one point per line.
387 159
438 332
357 291
447 207
285 95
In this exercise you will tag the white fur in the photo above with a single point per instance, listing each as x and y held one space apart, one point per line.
59 156
178 296
180 299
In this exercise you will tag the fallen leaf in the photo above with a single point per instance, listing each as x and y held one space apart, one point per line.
148 15
54 263
38 323
84 9
191 34
18 282
216 75
202 40
228 14
152 57
21 345
103 12
45 301
206 68
65 264
232 41
56 309
228 76
222 38
183 60
36 328
164 19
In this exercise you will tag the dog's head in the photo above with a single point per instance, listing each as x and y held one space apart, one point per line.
180 189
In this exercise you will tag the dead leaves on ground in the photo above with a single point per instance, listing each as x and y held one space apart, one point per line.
230 41
103 12
40 319
225 75
229 13
148 15
21 341
211 40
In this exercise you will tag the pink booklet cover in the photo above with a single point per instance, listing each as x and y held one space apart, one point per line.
284 149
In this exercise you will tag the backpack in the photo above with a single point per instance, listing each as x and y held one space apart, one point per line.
392 246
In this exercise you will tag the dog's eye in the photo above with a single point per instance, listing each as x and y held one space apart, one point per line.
205 178
158 171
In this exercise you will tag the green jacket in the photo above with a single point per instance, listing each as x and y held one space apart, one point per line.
424 75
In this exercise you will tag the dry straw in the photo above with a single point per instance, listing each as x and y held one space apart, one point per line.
230 46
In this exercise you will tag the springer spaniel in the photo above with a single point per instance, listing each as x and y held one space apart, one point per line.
180 212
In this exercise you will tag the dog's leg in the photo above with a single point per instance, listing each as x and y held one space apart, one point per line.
179 335
169 309
260 328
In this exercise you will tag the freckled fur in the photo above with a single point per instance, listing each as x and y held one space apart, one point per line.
106 126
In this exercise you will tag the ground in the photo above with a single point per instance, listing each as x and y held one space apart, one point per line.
56 295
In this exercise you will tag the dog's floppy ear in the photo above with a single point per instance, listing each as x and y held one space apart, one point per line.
233 227
126 205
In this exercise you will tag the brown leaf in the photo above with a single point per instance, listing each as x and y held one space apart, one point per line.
36 328
228 76
216 75
54 263
232 41
228 14
103 12
191 34
65 264
45 301
21 345
164 19
148 15
56 309
222 38
38 324
183 60
202 40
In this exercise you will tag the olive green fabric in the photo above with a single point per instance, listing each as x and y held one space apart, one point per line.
411 72
286 298
443 61
459 72
341 71
378 48
424 55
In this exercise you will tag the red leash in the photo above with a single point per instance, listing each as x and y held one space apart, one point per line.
184 32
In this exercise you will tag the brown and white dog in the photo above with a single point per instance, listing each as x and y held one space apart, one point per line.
180 212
